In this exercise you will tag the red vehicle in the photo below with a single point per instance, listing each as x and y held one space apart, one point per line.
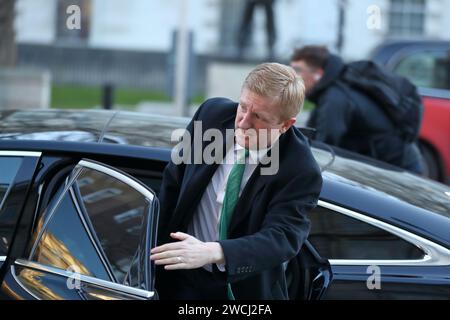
427 65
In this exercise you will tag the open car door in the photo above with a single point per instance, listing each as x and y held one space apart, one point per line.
308 275
92 241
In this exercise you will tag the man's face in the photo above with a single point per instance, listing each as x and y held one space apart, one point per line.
256 117
310 75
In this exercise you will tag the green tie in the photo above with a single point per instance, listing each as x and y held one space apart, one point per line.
230 200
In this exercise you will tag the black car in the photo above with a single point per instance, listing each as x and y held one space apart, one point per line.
79 213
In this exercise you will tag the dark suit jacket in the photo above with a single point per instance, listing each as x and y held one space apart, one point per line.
270 223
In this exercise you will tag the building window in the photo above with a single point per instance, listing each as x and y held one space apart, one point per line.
427 69
73 36
407 17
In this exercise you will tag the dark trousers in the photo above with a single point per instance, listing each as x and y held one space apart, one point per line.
245 29
196 284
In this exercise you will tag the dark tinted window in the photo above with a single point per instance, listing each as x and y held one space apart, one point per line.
9 166
8 170
337 236
65 243
429 69
116 212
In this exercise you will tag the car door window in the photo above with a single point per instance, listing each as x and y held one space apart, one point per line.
99 227
9 166
337 236
116 212
430 69
65 243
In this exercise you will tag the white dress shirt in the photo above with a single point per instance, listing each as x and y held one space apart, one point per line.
205 223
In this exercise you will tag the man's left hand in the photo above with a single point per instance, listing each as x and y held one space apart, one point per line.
187 253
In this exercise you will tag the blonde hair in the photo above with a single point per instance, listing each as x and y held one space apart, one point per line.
279 82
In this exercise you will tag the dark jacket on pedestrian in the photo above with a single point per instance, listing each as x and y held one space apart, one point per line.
347 118
270 221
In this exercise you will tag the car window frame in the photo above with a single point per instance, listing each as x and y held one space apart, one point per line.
11 183
107 285
434 254
15 153
112 284
404 53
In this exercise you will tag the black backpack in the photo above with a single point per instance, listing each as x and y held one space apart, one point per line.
396 95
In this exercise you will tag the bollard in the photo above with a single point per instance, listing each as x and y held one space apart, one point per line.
108 94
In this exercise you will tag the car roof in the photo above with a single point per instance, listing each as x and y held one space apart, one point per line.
88 126
360 179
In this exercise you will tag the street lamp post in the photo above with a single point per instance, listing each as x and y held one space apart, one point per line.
181 62
7 36
342 5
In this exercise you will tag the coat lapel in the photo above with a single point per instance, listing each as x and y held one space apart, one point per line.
200 177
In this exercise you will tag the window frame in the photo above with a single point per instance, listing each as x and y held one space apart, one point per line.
112 284
16 154
404 52
434 254
107 285
404 55
406 11
87 225
12 153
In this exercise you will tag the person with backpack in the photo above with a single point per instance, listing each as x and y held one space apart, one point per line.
362 108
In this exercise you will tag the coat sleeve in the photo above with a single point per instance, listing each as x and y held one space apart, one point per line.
283 231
